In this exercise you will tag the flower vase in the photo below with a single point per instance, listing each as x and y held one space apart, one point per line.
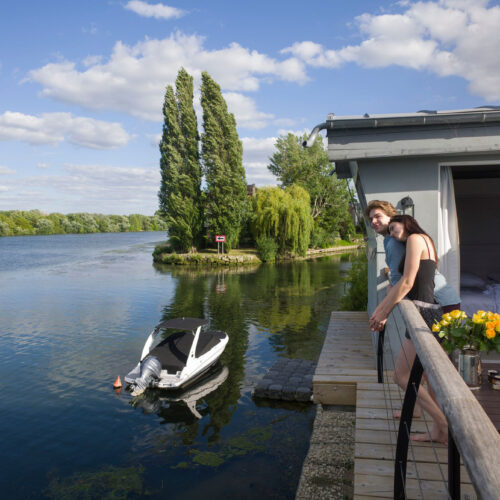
469 367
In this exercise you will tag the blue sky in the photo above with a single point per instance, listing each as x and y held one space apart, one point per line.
83 82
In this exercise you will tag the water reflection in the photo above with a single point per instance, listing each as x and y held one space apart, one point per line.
171 406
284 303
66 336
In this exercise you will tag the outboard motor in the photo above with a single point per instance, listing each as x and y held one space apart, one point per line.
150 370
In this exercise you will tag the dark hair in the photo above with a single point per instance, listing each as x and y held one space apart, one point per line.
411 226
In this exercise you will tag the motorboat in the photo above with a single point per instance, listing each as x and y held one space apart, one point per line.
184 353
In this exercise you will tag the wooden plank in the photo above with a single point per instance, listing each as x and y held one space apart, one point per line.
331 369
422 470
339 379
334 394
375 386
418 425
382 486
382 436
379 396
387 452
379 403
378 413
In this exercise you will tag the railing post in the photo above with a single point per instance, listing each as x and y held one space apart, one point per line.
405 428
380 356
453 468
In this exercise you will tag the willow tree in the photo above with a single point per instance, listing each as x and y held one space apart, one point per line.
180 198
284 215
222 152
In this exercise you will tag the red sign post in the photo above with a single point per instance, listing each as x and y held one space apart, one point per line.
220 239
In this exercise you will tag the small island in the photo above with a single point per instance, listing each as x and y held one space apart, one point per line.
215 218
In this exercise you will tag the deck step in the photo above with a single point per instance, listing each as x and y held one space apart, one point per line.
346 359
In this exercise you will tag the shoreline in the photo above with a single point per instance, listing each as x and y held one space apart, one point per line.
239 257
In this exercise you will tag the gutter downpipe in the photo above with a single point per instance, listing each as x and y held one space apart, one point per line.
314 133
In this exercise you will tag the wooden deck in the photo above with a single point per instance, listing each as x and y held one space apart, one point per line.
346 375
375 445
489 398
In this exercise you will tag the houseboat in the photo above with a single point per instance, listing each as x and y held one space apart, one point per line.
443 168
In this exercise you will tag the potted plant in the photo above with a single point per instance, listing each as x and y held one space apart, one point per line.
469 336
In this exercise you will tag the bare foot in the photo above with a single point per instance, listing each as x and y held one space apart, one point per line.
436 436
417 413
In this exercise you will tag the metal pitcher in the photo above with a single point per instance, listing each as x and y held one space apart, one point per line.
469 367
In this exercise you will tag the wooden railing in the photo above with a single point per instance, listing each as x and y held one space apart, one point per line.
471 430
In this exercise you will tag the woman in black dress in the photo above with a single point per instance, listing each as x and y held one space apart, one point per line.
417 284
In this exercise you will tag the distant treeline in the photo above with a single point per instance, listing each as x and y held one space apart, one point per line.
18 222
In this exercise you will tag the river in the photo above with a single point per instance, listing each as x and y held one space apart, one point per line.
75 312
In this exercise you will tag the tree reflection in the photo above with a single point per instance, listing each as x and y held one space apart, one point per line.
216 296
291 302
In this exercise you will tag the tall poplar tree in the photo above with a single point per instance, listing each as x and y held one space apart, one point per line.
222 151
180 196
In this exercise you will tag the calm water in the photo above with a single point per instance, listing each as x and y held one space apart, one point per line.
76 310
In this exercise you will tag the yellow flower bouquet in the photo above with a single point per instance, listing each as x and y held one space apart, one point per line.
458 331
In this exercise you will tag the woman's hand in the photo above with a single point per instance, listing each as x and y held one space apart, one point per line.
378 320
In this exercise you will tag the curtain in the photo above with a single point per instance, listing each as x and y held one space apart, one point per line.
448 238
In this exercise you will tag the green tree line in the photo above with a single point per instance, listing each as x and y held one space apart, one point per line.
310 207
19 223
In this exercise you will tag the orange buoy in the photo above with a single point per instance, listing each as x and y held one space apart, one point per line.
118 383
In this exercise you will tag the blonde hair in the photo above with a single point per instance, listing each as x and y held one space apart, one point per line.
385 206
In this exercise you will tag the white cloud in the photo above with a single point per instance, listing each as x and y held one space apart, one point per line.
91 60
6 170
285 122
134 78
256 149
256 154
298 133
87 188
155 139
157 10
448 37
245 111
52 128
258 174
42 165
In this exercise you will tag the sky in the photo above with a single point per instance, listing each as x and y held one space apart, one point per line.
83 83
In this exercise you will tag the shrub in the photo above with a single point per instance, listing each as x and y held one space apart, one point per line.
267 248
321 238
356 297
